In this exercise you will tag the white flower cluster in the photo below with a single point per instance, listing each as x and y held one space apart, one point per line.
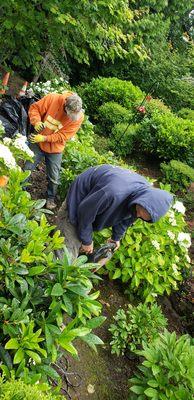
171 235
20 143
155 244
7 157
172 218
184 239
178 206
43 88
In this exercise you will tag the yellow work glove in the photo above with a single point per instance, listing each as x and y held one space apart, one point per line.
37 138
39 126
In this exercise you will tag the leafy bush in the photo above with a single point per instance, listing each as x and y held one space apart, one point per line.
38 292
78 157
168 137
186 113
123 138
156 106
103 90
152 258
178 174
136 326
167 372
110 114
18 390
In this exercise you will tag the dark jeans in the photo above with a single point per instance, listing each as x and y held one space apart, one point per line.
53 165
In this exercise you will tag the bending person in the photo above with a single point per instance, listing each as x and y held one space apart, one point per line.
107 196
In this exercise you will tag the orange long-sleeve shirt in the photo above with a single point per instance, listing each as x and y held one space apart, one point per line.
58 126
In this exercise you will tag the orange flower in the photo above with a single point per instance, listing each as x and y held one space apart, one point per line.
3 180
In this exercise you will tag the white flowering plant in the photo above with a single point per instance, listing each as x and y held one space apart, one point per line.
51 86
153 258
12 150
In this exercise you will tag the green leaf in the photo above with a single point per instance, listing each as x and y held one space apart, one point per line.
68 304
57 290
78 289
153 383
12 344
49 371
36 270
19 356
117 273
151 392
137 389
96 322
34 356
68 346
92 340
155 369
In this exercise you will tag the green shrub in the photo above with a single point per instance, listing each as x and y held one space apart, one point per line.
152 258
168 137
18 390
110 114
86 132
167 371
186 113
178 174
103 90
101 144
156 106
123 138
136 326
78 157
37 291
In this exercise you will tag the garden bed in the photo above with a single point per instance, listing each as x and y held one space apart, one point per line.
103 375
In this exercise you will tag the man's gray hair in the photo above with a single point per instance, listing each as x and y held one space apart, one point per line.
74 103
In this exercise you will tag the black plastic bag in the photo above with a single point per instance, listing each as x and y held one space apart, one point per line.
26 101
13 117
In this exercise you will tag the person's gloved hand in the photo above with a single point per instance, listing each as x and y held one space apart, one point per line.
39 126
37 138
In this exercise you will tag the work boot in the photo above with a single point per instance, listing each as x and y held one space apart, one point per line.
50 204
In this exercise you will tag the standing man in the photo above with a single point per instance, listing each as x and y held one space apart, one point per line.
107 196
56 118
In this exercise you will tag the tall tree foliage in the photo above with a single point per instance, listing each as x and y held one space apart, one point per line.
66 28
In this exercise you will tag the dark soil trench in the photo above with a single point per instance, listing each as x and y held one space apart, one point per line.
102 375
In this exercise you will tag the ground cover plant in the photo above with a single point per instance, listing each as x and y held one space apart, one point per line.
166 372
135 326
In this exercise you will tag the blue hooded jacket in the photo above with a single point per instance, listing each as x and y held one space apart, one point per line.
105 196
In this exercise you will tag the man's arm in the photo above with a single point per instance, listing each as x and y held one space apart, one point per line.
65 133
38 110
119 230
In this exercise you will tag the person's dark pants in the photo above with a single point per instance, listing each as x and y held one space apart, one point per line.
53 165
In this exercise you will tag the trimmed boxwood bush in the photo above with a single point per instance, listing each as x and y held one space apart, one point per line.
156 106
110 114
168 137
186 113
123 138
103 90
178 174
